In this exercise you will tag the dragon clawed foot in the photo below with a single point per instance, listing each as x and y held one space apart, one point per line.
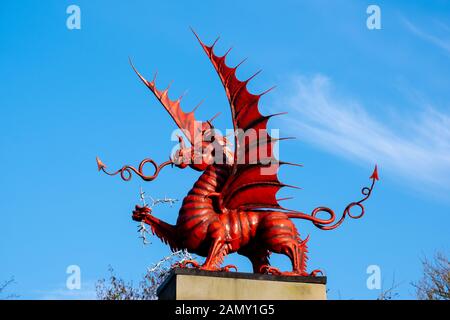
186 263
267 269
227 268
314 273
209 267
270 270
194 264
139 213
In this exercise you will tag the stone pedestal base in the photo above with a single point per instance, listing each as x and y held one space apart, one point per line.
193 284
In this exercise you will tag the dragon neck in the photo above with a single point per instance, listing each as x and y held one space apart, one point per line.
200 197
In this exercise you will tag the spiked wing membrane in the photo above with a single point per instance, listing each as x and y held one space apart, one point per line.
253 182
185 121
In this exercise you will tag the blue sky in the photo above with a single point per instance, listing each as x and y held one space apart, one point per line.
355 97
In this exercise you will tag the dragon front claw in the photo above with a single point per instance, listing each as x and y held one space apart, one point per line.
194 264
267 269
270 270
228 267
184 264
139 213
314 273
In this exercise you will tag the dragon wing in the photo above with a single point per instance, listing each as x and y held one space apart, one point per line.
253 182
186 121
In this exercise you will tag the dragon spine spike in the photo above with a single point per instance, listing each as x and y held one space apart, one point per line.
168 86
290 186
196 35
198 105
214 117
253 76
277 114
227 52
215 41
240 63
290 164
284 199
267 91
304 242
283 139
181 96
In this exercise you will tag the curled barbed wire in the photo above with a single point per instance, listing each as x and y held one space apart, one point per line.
166 263
142 228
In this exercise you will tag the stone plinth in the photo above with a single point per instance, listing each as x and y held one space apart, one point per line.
193 284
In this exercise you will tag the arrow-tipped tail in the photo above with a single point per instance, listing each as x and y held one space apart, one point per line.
374 175
100 164
330 223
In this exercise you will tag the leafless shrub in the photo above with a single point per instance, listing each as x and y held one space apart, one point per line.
389 293
435 283
3 287
116 288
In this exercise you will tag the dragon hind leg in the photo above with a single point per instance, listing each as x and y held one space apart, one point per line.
280 235
293 249
259 259
216 254
218 250
296 251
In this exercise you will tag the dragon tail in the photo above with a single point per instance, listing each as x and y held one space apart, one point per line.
331 223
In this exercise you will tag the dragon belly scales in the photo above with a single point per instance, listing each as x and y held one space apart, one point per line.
232 207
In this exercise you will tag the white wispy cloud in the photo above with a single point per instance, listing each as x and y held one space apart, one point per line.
441 42
415 148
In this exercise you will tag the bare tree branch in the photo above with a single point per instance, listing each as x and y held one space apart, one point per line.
435 283
117 289
389 293
4 285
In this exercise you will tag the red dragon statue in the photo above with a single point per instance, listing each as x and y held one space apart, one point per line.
232 207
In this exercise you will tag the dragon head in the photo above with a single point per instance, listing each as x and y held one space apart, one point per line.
211 148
